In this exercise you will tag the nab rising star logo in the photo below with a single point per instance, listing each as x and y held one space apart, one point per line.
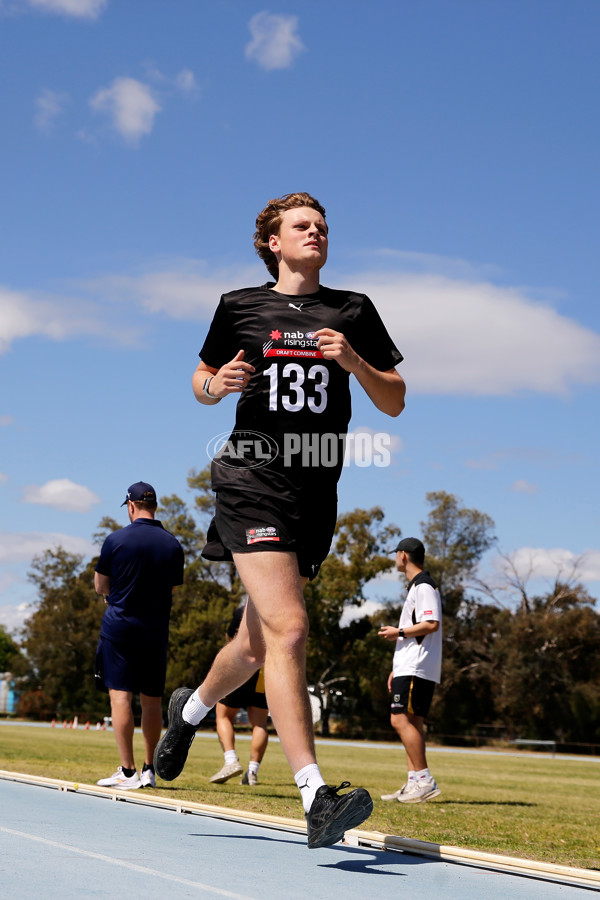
292 344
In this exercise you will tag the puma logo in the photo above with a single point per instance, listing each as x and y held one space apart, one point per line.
299 308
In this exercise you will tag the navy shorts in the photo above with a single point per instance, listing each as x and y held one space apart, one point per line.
412 695
252 693
140 669
251 523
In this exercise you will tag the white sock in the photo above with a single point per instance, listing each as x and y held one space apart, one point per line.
421 774
309 780
253 766
231 757
412 775
194 710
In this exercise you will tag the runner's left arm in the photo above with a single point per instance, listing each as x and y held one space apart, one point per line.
386 389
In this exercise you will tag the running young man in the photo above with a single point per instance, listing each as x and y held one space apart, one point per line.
288 348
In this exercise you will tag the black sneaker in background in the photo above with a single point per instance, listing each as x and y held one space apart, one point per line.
332 814
172 749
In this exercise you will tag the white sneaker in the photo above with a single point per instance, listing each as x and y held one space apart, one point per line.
425 789
249 778
147 778
118 780
405 789
227 772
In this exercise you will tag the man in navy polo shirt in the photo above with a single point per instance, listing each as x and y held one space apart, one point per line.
138 567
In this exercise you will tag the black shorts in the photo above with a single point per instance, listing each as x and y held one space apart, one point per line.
250 523
140 669
252 693
412 695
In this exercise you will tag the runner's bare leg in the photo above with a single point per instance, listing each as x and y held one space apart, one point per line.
276 616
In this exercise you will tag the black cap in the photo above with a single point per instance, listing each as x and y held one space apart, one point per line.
411 545
141 490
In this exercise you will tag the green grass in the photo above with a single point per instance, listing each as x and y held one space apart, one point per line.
530 806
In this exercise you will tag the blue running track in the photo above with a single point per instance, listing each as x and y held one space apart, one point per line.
68 844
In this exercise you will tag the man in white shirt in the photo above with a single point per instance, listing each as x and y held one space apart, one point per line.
416 669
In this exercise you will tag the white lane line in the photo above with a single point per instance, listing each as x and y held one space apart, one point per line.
128 865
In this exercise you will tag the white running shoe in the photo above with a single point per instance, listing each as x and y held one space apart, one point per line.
147 778
118 780
249 778
227 772
405 789
425 789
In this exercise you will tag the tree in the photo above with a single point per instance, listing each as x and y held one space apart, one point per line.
455 539
9 651
532 671
60 638
204 604
360 552
546 673
106 525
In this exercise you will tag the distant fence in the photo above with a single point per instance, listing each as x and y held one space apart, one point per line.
496 738
557 748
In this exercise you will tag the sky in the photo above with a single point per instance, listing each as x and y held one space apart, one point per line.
454 145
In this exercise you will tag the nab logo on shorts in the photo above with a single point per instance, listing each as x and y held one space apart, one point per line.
261 533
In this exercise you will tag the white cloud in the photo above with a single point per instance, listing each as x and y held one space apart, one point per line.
17 551
458 337
435 264
463 337
61 493
23 315
13 617
186 81
539 456
524 487
274 44
81 9
131 107
48 107
5 421
540 562
3 477
368 608
538 567
17 547
187 291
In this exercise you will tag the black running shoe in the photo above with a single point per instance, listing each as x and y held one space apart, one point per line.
172 749
332 814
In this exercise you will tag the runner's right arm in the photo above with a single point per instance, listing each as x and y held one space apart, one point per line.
232 378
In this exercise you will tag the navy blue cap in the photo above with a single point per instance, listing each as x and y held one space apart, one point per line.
411 545
141 490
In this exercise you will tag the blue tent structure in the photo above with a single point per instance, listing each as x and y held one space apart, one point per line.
8 695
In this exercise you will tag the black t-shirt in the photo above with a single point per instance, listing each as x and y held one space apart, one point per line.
297 402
